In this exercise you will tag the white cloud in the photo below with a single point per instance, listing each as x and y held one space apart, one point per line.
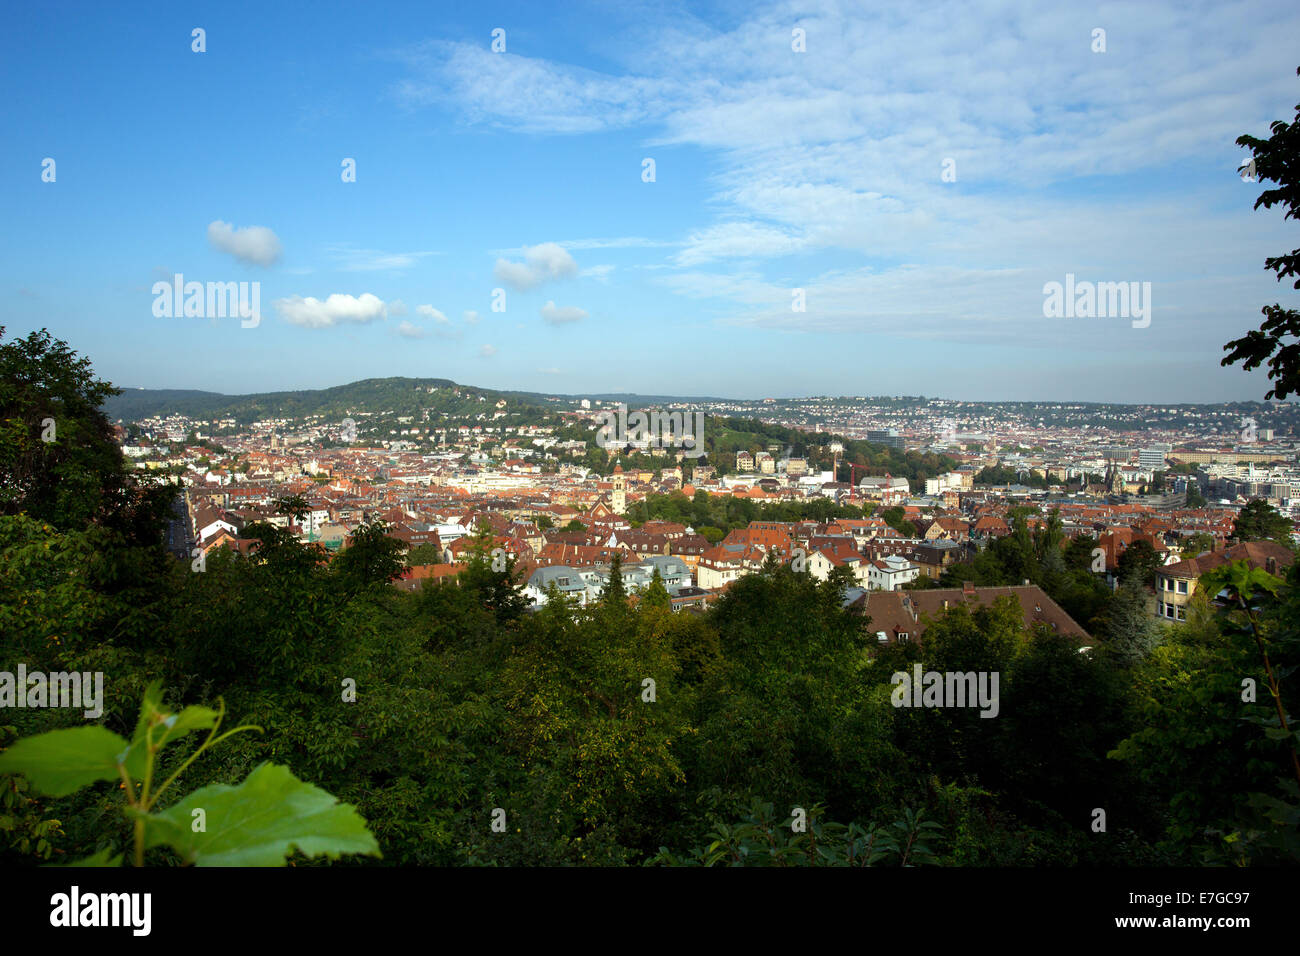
525 93
542 263
558 315
471 317
352 259
314 313
411 331
256 245
551 371
599 273
429 312
487 351
396 308
737 240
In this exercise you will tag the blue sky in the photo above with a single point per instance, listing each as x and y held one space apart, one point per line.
522 170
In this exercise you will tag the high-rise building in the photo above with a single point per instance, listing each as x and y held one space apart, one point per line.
885 436
1152 459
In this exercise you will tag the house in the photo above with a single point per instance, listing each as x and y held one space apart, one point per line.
933 556
676 574
689 547
584 585
1176 583
891 573
207 522
989 526
902 616
825 554
697 599
725 563
422 575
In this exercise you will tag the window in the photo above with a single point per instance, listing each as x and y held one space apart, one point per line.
562 582
1182 587
903 637
1182 614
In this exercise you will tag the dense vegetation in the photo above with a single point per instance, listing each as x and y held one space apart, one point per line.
623 733
392 396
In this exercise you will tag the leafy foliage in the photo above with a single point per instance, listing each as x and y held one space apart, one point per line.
1275 341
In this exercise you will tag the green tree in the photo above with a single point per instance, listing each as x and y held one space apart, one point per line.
1127 626
656 595
59 459
1276 160
372 558
614 594
424 554
1260 521
1138 564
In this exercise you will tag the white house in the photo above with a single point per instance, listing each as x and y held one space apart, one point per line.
890 573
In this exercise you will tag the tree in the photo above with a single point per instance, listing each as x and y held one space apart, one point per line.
1138 564
656 594
494 586
59 459
1276 159
372 558
614 594
1260 521
1127 626
424 554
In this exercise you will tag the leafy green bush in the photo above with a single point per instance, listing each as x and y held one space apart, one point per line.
260 822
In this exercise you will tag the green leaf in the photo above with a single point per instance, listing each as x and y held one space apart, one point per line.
260 823
167 726
63 761
105 857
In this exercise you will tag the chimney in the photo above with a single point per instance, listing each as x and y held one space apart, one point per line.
1026 582
968 588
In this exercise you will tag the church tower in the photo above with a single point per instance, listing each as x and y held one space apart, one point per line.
619 494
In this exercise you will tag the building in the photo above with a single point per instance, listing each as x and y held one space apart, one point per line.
902 616
1176 583
1153 458
619 491
888 437
891 573
584 585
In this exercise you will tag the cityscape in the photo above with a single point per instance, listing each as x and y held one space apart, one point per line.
575 442
563 507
